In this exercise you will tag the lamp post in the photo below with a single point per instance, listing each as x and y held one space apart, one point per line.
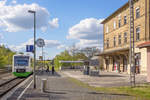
34 78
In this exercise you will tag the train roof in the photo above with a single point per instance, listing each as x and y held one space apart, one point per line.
21 55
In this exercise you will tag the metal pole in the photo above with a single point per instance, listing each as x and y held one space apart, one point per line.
132 59
34 78
34 48
42 59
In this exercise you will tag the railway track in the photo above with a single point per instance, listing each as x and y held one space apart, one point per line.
7 86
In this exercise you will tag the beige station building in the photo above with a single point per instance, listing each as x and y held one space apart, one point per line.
116 39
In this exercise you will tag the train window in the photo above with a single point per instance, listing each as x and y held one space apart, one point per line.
21 61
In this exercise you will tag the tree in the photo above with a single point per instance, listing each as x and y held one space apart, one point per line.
6 56
2 61
66 56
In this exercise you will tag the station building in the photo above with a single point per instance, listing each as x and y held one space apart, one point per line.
116 39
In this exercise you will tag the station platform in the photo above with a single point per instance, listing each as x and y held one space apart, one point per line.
59 87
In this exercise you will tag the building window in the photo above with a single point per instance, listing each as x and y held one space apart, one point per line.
119 39
125 19
125 37
107 29
114 24
119 23
107 43
137 33
137 12
114 41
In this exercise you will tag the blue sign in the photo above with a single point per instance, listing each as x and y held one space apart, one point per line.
29 48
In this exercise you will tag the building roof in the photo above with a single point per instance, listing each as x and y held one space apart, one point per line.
94 57
118 10
113 51
71 61
143 45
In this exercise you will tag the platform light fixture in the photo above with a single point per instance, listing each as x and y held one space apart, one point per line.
34 78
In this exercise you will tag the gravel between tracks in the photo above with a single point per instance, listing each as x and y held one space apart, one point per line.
7 86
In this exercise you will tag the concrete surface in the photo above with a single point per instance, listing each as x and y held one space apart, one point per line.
105 79
59 87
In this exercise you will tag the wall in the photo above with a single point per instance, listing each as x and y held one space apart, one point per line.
148 65
139 22
143 67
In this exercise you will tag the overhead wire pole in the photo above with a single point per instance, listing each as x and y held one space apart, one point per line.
34 78
44 58
132 59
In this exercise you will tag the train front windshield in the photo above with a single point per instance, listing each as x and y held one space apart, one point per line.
21 61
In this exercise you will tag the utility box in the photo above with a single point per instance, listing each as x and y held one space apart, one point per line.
43 85
94 73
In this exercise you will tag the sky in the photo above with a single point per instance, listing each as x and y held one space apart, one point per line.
61 23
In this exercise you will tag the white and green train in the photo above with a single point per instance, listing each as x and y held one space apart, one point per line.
21 65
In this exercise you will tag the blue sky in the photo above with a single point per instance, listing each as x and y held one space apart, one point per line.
61 23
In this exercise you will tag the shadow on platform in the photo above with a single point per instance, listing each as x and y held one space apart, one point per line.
46 73
55 92
43 96
111 76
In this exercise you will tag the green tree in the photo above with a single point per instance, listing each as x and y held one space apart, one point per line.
2 61
65 56
6 56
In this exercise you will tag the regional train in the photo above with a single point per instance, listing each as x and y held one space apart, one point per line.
21 65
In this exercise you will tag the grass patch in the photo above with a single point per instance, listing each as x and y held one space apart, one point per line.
141 92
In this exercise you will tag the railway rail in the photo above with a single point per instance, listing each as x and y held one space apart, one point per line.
9 85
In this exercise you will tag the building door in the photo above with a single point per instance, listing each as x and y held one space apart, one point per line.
107 64
113 69
137 63
125 64
115 65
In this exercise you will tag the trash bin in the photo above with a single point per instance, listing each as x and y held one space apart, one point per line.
43 85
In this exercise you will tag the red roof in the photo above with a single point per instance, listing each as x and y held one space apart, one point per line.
145 44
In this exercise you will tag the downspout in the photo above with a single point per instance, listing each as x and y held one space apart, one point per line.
149 20
146 19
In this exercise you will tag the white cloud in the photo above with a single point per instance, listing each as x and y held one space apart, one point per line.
22 46
89 43
16 48
3 2
16 17
14 1
1 36
87 31
48 44
52 43
89 28
62 46
54 23
43 29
